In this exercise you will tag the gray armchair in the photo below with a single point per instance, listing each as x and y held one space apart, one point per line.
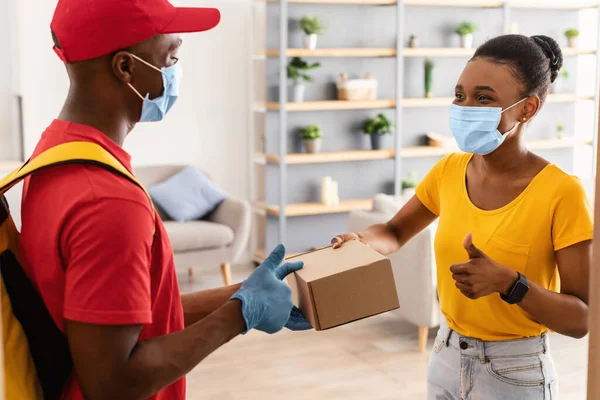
219 239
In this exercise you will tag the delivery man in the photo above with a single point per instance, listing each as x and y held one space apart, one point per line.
91 242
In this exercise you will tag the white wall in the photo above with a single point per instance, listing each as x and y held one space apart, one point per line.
209 124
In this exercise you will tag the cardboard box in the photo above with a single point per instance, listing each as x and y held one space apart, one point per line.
343 285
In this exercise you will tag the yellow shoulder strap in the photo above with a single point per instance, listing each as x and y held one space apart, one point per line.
68 153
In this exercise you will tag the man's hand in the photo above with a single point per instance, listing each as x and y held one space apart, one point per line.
481 276
266 299
297 322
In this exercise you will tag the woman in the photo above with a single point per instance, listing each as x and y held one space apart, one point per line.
513 245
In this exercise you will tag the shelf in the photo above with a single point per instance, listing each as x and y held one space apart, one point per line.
334 105
455 3
331 157
304 209
9 166
519 4
540 144
407 152
342 52
408 52
554 5
357 2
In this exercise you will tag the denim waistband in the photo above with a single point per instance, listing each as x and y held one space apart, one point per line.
483 350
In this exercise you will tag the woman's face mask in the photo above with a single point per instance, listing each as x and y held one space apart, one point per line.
476 128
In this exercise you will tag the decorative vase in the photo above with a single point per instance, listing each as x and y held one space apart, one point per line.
310 41
428 78
466 41
299 92
376 142
312 145
572 42
413 42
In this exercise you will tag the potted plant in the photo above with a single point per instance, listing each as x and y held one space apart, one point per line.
571 36
312 27
296 71
311 136
413 42
376 127
562 77
409 185
428 77
466 30
559 131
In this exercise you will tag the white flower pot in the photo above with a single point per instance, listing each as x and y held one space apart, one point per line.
298 90
310 41
466 41
572 42
312 145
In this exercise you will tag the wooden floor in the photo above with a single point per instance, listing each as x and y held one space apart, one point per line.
370 359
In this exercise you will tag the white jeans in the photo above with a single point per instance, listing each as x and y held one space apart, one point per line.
463 368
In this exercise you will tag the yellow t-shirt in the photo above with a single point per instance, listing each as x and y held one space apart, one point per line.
552 213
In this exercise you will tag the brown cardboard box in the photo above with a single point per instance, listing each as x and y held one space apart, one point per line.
343 285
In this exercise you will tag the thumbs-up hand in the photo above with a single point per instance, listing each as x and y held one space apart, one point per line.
481 276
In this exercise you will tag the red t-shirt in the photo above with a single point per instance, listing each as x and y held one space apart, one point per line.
88 244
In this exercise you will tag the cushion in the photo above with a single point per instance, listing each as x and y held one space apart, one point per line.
198 235
387 204
187 195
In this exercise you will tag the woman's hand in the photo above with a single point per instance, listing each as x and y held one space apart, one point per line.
339 240
481 276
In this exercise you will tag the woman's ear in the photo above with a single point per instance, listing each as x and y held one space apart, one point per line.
123 66
530 108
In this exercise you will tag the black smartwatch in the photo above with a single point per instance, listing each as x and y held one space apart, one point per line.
517 292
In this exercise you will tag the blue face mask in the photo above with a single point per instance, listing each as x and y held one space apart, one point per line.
156 109
476 128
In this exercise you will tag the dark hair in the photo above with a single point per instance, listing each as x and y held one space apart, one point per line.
534 61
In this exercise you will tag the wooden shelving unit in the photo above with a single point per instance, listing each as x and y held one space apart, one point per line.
332 105
305 209
272 169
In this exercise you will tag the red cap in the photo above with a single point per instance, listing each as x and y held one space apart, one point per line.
87 29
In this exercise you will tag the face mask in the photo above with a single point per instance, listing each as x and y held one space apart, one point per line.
156 109
476 128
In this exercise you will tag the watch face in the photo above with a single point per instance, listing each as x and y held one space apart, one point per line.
519 291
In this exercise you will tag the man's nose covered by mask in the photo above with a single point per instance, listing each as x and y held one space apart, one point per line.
476 128
156 109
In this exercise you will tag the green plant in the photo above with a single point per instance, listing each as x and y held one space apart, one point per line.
312 25
296 70
378 125
564 73
428 77
410 182
311 132
571 33
466 28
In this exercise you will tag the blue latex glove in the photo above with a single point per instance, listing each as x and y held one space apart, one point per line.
297 322
266 299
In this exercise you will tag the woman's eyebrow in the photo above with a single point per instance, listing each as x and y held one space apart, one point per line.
488 88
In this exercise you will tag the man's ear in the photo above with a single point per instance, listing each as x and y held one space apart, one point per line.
123 65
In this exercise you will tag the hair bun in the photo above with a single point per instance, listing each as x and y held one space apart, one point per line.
552 50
